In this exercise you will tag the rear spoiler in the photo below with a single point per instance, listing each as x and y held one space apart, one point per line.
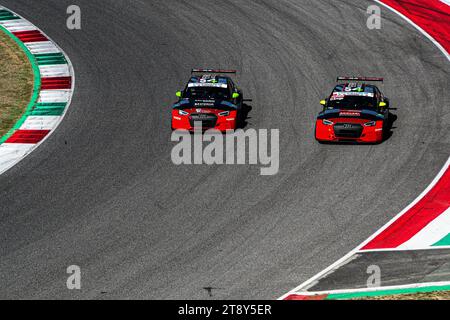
359 79
212 71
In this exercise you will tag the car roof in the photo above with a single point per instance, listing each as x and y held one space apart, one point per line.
353 89
208 80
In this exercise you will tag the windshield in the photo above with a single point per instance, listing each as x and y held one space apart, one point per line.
207 93
353 102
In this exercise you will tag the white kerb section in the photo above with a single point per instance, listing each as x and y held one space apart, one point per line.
54 70
49 96
42 47
17 25
10 153
40 123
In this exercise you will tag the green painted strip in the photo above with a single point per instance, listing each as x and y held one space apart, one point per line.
47 112
50 58
50 105
7 15
48 109
445 241
351 295
36 85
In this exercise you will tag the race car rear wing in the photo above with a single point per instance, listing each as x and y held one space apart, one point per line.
212 71
359 79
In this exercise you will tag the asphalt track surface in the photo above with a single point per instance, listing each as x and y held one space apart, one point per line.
102 192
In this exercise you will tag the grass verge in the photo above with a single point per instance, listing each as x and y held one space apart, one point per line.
16 82
435 295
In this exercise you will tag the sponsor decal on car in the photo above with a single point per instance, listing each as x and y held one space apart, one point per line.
349 113
207 84
342 95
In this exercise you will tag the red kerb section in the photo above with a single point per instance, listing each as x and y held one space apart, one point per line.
27 136
56 83
306 297
30 36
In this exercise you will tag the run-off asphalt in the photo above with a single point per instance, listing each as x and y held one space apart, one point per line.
102 192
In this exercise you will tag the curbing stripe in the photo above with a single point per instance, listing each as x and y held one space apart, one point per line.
7 15
302 297
17 25
58 70
54 96
28 136
11 153
50 58
40 123
49 109
443 242
432 233
30 36
36 85
352 295
54 82
41 47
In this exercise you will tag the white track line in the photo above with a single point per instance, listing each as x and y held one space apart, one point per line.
311 281
404 249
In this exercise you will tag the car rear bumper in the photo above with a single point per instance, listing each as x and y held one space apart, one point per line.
187 123
356 133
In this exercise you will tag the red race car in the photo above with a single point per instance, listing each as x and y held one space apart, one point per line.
354 112
209 101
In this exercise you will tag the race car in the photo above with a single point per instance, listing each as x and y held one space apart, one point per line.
210 100
354 112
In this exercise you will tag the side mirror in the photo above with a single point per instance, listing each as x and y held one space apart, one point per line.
323 102
179 94
235 95
382 104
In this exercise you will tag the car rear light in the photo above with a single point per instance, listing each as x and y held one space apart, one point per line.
327 122
224 113
370 124
182 112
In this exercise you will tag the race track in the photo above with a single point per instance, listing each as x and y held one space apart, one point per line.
102 192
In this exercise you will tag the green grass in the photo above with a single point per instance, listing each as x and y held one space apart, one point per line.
16 83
